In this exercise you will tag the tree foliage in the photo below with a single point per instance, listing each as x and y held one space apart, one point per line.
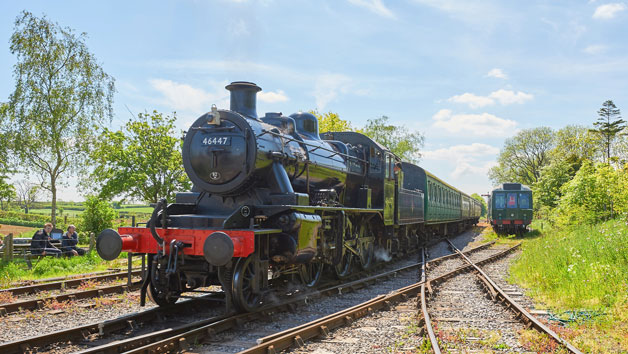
61 97
331 122
596 193
141 161
97 216
609 124
523 157
402 141
482 202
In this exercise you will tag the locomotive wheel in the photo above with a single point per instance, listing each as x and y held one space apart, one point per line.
367 255
343 268
311 273
160 298
243 296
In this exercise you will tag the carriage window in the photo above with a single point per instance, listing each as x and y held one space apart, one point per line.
524 201
512 200
500 201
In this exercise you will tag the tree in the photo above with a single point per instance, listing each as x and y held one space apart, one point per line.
609 124
141 161
547 190
97 215
402 141
574 144
7 193
61 97
596 193
523 157
331 122
26 194
482 202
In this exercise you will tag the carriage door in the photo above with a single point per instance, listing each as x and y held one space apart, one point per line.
389 190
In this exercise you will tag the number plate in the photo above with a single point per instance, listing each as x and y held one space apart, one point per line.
217 140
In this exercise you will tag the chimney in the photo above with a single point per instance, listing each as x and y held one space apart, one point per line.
243 98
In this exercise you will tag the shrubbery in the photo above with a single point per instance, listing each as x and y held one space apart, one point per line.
597 193
98 215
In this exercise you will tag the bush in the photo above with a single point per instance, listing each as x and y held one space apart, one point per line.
98 215
596 193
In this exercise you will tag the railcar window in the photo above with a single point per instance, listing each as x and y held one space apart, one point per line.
512 200
524 201
500 201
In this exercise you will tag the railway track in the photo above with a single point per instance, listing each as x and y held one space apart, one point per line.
40 303
61 279
63 283
498 296
321 327
181 335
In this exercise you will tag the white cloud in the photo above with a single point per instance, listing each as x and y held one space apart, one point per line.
498 73
375 6
272 97
608 11
457 152
238 28
466 168
472 100
183 97
327 87
595 49
504 97
468 159
483 124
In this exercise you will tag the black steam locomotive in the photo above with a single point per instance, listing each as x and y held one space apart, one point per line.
273 199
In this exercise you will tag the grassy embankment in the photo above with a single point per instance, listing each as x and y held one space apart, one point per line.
49 267
583 270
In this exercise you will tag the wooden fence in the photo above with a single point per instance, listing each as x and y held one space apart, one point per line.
21 247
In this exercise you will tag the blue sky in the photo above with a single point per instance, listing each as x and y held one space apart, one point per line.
466 74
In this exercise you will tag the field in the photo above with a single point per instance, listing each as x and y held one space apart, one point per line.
16 230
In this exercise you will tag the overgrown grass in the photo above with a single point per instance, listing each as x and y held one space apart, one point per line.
583 268
48 267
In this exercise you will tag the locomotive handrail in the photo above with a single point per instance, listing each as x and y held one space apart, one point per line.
265 131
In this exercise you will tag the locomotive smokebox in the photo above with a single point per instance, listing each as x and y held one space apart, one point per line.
218 249
244 97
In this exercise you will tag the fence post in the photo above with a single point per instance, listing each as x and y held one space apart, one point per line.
92 241
8 248
133 220
65 220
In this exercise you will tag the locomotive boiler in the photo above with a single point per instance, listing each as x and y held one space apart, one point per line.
273 200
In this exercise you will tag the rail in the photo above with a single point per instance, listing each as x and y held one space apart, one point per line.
498 294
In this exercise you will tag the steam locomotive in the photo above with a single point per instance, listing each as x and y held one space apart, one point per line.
274 199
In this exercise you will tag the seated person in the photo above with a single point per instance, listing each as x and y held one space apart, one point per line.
40 244
69 242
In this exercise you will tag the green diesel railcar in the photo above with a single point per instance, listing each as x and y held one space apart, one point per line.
510 208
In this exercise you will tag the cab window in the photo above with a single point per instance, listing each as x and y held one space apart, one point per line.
500 201
524 201
511 200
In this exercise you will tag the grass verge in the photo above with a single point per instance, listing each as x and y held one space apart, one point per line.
50 267
583 270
